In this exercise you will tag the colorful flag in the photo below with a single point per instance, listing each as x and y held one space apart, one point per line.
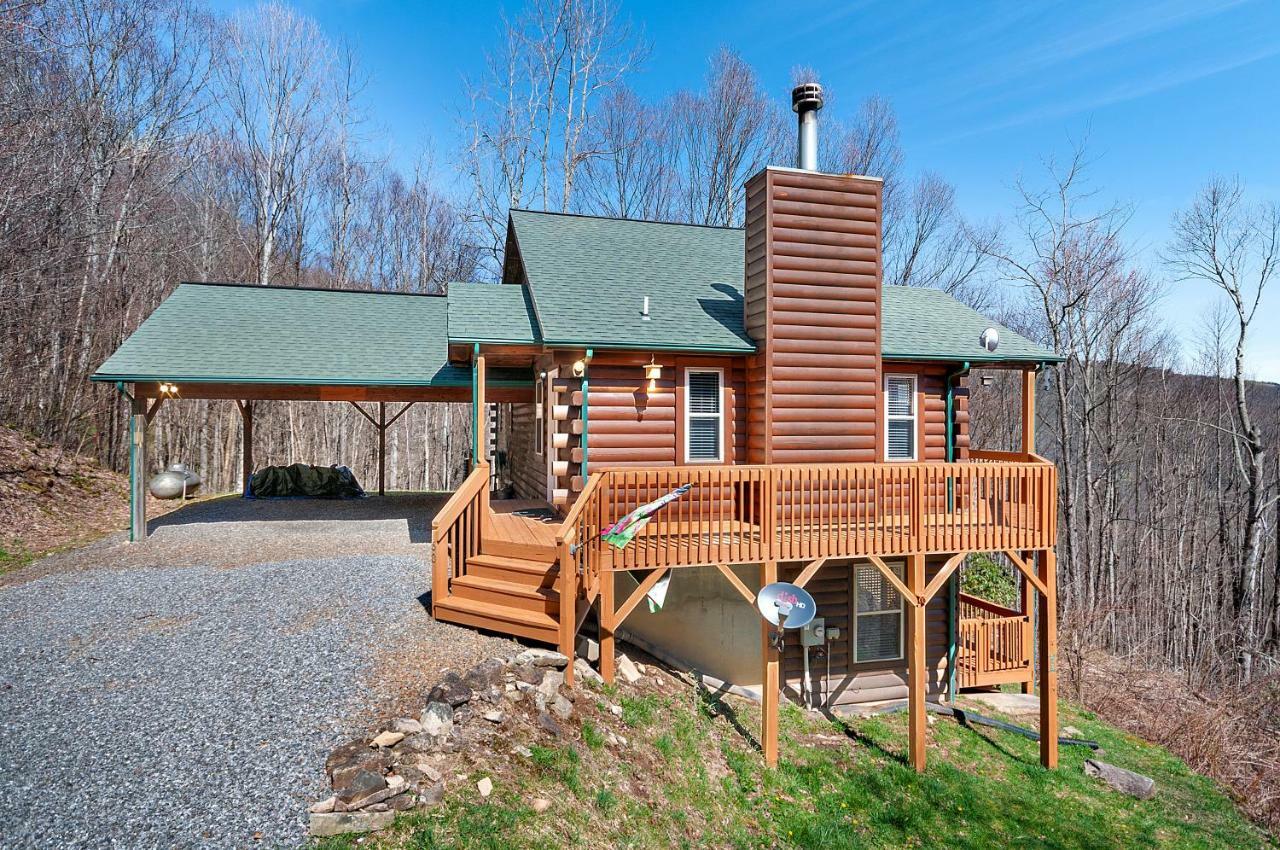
624 530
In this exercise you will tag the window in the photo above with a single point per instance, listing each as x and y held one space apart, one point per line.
900 417
704 415
877 622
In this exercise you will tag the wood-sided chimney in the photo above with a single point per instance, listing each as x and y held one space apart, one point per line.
812 302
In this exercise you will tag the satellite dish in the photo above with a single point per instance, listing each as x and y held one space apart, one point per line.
785 605
990 339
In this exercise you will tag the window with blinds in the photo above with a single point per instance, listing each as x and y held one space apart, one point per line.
900 417
877 622
704 416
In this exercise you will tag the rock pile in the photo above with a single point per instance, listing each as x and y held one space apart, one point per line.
403 766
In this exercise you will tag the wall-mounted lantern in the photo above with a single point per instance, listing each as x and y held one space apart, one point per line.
579 368
652 372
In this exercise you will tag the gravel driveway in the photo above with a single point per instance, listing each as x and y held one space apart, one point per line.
151 700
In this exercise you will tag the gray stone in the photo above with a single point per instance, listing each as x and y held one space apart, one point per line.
323 807
522 750
627 669
431 795
387 739
586 672
542 658
341 823
437 720
407 725
452 690
551 683
494 716
615 709
562 708
1125 781
485 787
356 787
486 675
548 723
1071 732
356 754
401 803
527 674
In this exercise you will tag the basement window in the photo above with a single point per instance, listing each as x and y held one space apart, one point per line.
877 622
704 416
900 417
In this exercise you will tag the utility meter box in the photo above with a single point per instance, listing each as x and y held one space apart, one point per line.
814 634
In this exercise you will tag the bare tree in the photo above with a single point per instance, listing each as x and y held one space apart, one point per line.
1231 245
276 76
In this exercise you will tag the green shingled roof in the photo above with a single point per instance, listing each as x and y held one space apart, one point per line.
589 277
222 333
481 312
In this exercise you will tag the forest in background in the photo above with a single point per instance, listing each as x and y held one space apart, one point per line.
152 142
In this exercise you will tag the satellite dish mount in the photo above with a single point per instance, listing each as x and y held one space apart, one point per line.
785 606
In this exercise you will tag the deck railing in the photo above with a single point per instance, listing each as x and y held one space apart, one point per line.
751 514
456 531
994 644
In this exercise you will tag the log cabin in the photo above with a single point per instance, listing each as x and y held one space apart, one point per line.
820 417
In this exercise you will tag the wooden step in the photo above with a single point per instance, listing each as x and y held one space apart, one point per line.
532 574
532 625
509 594
522 551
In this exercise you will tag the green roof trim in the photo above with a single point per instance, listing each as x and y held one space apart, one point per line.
589 277
236 333
492 313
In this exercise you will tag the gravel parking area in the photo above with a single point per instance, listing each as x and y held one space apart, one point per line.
148 699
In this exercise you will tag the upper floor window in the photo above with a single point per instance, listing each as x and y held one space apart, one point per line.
704 415
900 417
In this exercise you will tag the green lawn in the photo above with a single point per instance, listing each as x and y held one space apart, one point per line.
691 777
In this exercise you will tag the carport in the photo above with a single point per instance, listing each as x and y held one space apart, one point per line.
381 352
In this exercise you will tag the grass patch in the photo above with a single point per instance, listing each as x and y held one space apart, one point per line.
14 557
692 776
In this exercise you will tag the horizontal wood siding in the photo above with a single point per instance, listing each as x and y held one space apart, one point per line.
832 589
813 275
633 426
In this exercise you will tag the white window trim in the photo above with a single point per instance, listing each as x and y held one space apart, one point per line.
914 417
539 413
901 613
688 413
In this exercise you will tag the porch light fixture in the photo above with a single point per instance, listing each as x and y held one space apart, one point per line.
579 368
168 390
652 372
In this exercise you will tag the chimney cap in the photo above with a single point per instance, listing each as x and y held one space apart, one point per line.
806 96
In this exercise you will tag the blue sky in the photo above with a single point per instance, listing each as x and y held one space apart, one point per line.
1168 92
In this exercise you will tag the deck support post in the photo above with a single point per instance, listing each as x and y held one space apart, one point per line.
137 468
917 671
769 683
246 450
568 615
1049 660
608 578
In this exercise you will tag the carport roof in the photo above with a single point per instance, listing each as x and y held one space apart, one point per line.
245 334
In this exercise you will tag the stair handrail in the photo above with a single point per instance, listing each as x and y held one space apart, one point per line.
474 488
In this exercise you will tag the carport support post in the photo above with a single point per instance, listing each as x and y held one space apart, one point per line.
382 448
246 453
137 467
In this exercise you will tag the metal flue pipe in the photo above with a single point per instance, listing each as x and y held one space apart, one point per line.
806 100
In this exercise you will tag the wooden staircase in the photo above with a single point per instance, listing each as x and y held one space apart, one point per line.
502 593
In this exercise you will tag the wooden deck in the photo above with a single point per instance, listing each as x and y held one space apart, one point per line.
522 528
